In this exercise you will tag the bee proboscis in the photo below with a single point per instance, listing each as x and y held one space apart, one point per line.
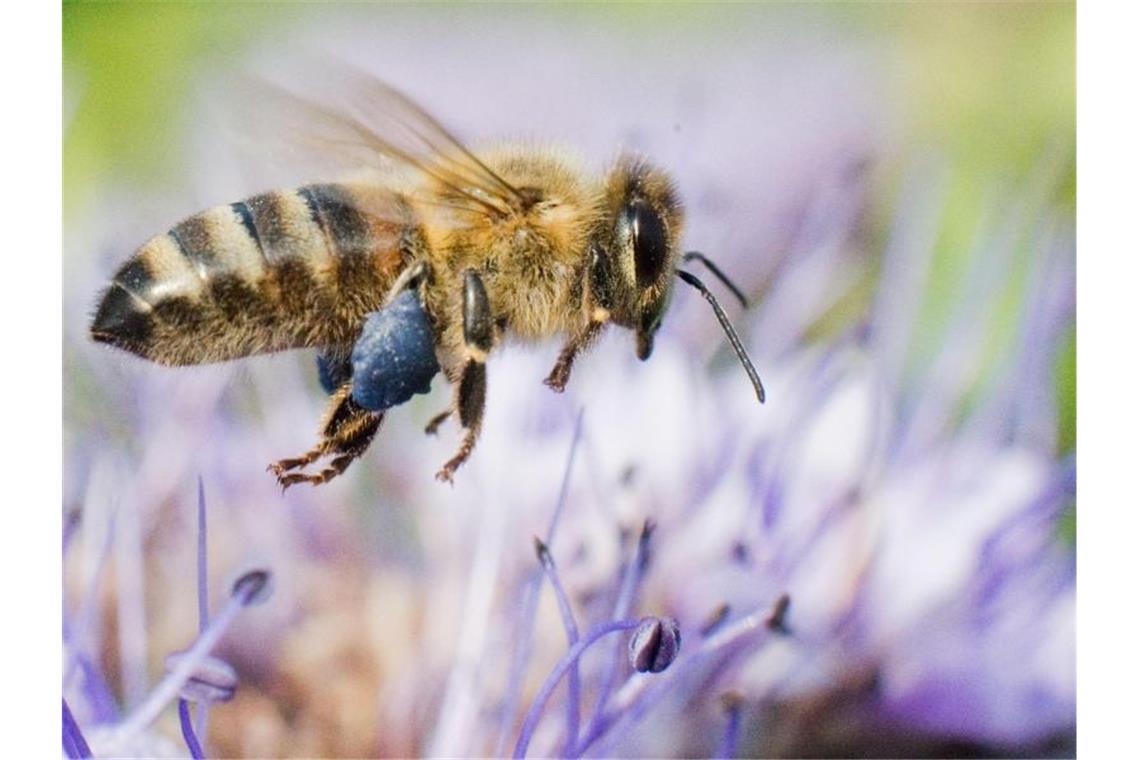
397 277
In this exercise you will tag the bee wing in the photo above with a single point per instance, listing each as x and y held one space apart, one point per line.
367 122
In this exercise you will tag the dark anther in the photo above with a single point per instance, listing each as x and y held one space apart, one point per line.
543 553
715 619
654 645
644 543
647 529
777 618
741 554
731 701
253 587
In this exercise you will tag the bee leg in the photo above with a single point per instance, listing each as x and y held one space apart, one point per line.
338 413
470 401
346 432
433 426
558 376
471 394
349 445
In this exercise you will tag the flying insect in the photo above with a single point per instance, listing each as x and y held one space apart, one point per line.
398 275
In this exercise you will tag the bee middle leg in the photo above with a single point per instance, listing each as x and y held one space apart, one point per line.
470 400
346 433
471 393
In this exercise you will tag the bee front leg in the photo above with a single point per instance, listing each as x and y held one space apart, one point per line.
559 376
346 433
471 393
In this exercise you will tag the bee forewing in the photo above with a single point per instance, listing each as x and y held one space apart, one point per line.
360 121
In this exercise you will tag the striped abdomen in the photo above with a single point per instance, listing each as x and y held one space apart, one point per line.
282 270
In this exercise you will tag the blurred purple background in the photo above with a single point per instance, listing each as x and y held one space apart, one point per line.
909 483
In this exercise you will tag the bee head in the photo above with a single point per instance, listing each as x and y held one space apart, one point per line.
636 249
635 254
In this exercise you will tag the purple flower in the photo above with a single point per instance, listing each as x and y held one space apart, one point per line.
192 675
868 564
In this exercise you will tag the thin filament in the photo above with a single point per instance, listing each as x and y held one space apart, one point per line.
720 275
725 325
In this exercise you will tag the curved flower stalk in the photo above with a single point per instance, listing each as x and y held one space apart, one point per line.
568 662
188 734
74 744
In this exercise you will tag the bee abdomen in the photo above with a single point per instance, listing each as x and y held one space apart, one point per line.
279 270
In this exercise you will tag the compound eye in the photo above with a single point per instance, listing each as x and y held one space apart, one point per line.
649 242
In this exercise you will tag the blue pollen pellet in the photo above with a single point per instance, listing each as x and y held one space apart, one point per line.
394 358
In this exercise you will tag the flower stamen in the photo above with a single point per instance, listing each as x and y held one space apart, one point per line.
571 657
251 588
574 679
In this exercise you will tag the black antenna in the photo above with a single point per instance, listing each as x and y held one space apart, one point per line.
698 256
733 338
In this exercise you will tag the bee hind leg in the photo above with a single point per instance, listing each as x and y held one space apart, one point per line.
346 433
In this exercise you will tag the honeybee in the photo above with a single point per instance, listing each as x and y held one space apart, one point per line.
396 277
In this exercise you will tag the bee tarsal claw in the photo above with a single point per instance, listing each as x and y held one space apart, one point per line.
447 472
294 478
282 466
436 421
290 480
557 379
299 477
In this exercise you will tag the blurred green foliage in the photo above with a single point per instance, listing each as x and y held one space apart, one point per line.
127 69
991 87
